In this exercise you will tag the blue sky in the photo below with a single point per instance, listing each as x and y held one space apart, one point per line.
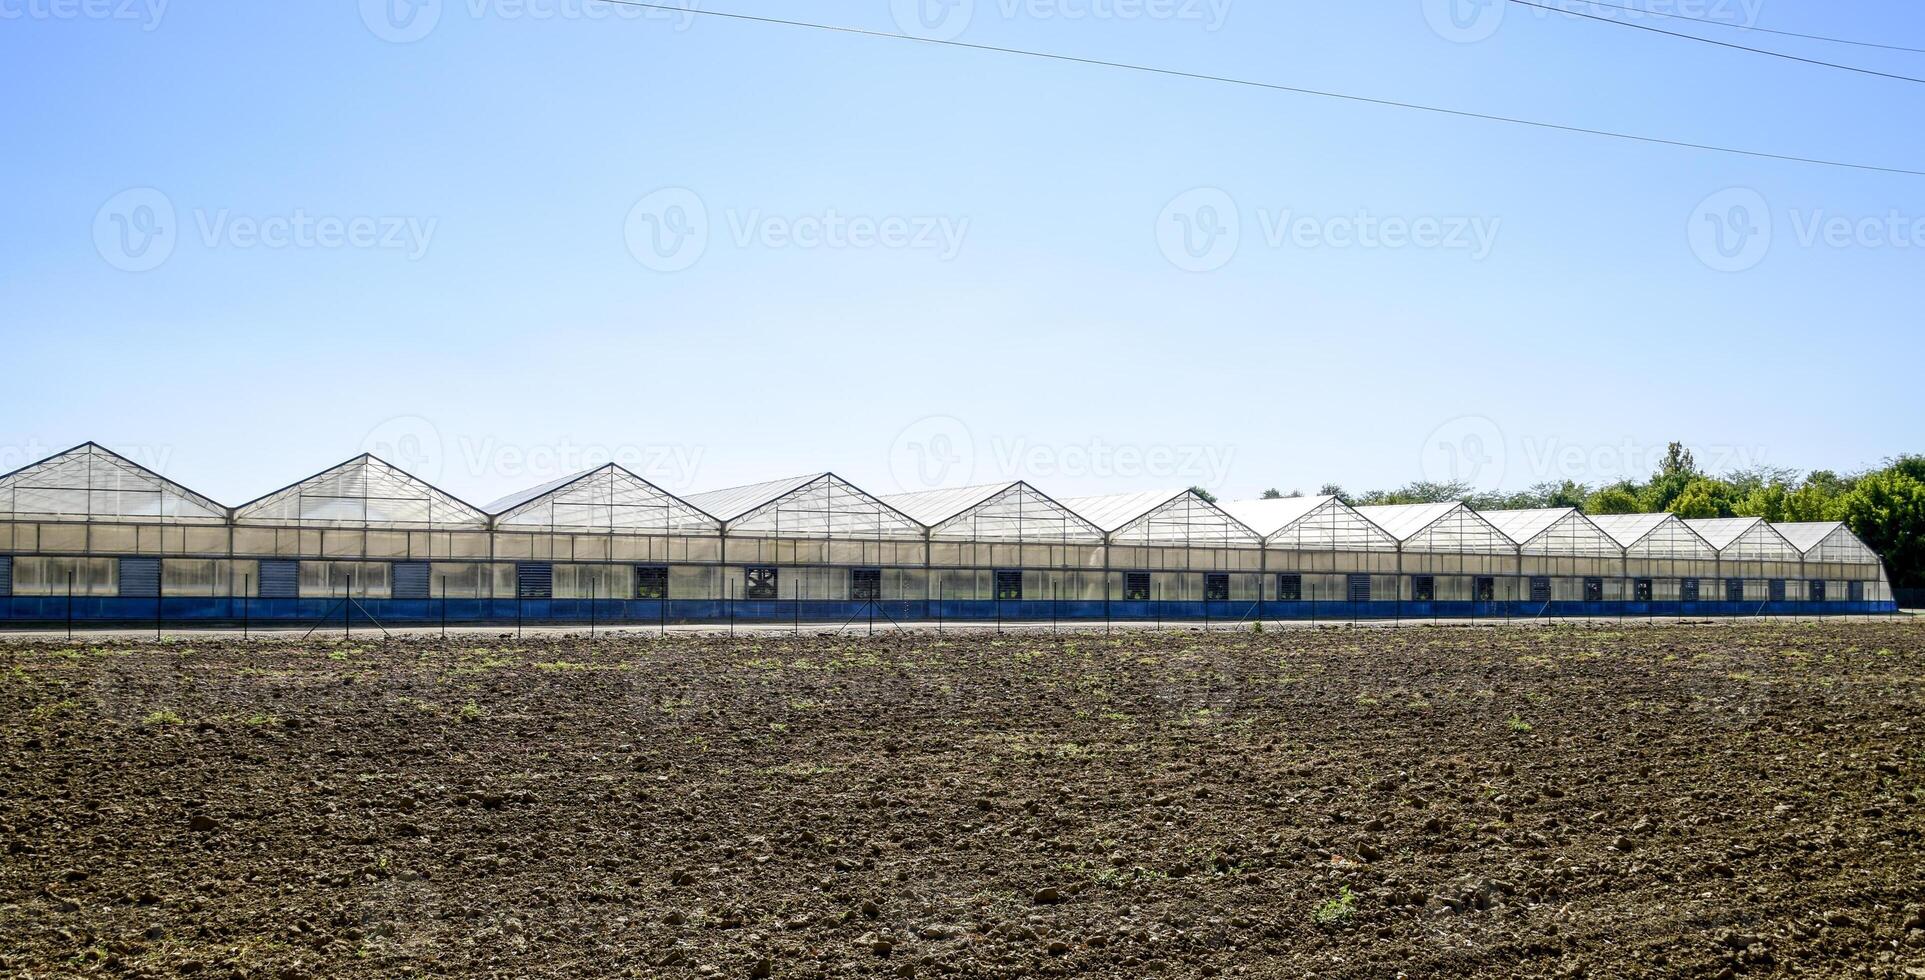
497 240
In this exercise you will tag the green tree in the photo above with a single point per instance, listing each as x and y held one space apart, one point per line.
1205 494
1273 494
1619 498
1887 512
1675 473
1704 497
1769 501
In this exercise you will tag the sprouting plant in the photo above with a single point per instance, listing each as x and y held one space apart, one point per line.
1516 724
1340 909
163 718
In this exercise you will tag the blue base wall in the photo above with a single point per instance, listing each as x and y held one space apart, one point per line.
180 611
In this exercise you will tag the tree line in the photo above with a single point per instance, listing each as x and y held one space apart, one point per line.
1885 507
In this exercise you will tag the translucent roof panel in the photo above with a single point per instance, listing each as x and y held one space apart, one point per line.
1744 539
1267 517
1441 527
608 499
820 506
1165 517
1828 541
1661 536
1559 531
1326 524
363 492
90 482
1002 512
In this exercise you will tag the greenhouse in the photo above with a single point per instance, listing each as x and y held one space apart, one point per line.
88 535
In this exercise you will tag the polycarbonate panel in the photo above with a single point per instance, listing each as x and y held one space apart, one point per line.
1828 542
1015 513
1331 525
1745 539
1404 520
824 506
1182 519
362 492
89 482
608 499
1441 529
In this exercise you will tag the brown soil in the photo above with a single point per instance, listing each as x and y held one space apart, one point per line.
1697 800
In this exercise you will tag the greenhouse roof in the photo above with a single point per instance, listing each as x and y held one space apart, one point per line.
1807 535
1404 521
932 507
607 498
1629 529
1012 511
1165 517
1720 532
817 505
91 482
1267 517
365 492
1523 526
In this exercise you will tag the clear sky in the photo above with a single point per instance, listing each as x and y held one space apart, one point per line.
499 240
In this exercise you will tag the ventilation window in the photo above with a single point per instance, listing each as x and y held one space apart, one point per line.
1641 589
1216 588
1593 590
1359 587
1423 588
1734 590
1136 586
1855 591
651 582
865 584
1540 589
759 583
534 580
1483 589
1290 588
1688 589
1777 590
1009 584
1817 590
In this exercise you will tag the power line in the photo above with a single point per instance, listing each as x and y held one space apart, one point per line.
1750 27
1274 87
1613 21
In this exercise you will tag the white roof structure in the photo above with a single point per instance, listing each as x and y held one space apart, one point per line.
1744 539
1165 517
364 492
92 483
1655 536
819 505
1449 528
607 499
1014 512
1827 541
1554 531
1311 524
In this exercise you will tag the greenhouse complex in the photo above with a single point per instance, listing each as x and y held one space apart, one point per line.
88 535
